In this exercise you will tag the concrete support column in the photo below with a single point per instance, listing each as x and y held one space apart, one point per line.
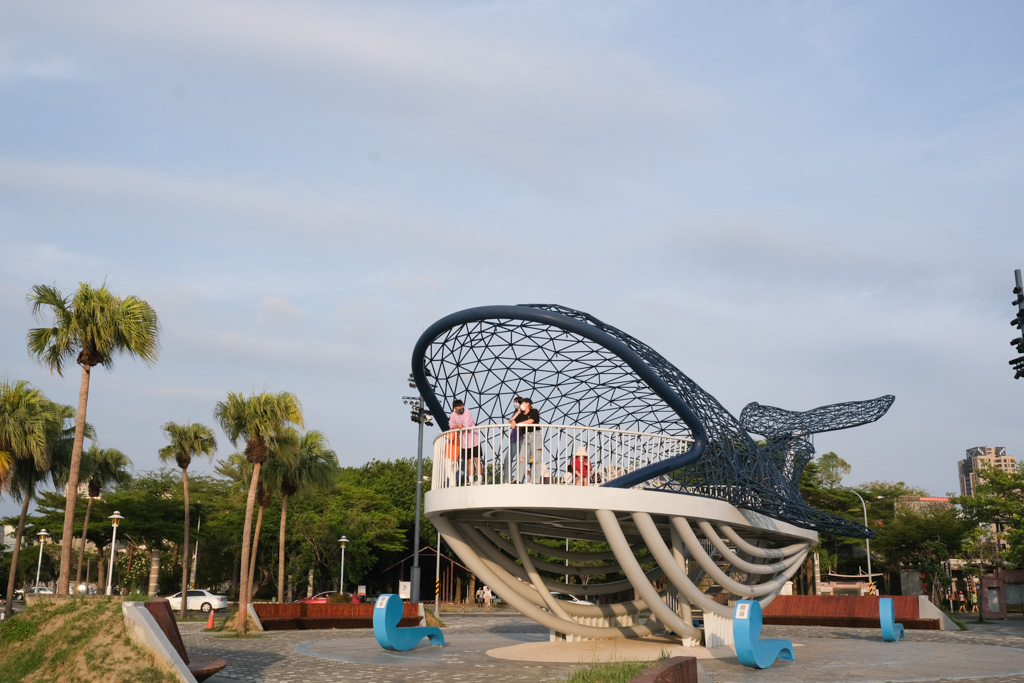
154 571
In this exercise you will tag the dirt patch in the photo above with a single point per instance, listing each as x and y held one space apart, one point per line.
74 640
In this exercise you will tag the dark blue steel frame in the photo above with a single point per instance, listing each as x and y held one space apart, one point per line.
590 373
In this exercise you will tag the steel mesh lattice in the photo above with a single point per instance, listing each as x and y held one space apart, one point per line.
579 370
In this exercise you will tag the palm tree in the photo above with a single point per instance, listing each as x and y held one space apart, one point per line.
312 466
25 474
186 441
240 471
258 420
262 500
91 327
24 421
101 467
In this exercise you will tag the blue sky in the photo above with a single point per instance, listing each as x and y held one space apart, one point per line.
796 203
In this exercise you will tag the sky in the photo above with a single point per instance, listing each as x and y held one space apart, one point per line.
796 203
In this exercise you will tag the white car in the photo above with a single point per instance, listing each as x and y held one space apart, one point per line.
199 599
569 598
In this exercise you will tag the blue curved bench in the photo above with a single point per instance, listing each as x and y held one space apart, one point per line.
891 631
387 612
746 631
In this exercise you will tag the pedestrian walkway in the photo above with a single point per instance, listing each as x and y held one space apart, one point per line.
507 647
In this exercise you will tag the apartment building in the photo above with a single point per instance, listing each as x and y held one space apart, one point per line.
979 458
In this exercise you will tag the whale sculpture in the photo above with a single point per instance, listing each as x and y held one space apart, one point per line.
675 479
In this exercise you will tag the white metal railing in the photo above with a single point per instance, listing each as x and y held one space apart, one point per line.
550 454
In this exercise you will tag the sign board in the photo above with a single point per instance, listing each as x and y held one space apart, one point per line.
361 590
404 589
742 611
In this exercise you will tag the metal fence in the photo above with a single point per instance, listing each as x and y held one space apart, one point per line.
545 454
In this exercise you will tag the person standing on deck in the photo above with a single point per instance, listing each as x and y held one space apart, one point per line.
469 441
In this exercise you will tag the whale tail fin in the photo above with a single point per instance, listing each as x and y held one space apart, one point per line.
769 421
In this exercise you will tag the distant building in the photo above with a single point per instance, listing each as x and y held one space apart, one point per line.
979 458
7 534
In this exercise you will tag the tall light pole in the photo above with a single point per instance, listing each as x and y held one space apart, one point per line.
420 416
867 541
115 519
341 581
43 533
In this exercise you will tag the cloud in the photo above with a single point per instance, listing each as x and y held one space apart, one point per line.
461 83
18 63
278 310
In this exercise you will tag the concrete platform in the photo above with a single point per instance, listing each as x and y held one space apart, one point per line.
500 648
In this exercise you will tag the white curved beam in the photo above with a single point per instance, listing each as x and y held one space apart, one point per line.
549 600
715 572
544 564
736 560
768 553
472 536
570 554
510 593
652 536
617 540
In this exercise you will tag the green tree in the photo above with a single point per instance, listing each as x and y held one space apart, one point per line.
259 420
998 500
921 539
26 473
831 469
91 327
312 466
367 518
101 467
187 441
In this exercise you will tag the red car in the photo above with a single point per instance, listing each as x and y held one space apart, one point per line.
318 599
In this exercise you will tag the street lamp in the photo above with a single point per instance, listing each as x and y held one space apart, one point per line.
341 581
867 542
420 416
115 519
43 533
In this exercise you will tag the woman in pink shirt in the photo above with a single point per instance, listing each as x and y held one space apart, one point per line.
469 441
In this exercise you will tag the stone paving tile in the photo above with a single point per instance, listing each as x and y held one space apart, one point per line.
288 656
284 656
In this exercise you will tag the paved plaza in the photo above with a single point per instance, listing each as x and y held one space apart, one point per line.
505 646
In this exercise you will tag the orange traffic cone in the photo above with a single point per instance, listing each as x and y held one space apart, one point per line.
209 622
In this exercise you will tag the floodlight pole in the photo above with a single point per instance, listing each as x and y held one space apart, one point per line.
415 573
419 416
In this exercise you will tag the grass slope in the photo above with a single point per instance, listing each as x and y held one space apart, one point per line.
74 640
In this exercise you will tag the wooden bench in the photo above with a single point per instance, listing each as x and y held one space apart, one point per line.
202 667
287 616
843 610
